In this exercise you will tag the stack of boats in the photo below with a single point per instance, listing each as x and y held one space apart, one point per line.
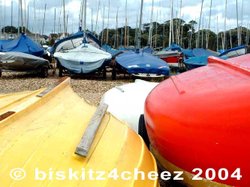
195 126
203 141
87 56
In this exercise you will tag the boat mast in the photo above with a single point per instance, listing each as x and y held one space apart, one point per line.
54 30
247 35
180 29
238 29
225 25
171 24
140 25
24 16
81 16
151 26
198 33
67 23
28 15
156 27
202 33
128 35
34 26
4 18
116 30
230 35
107 33
64 20
136 29
84 21
44 16
21 13
92 21
11 19
241 25
209 21
126 24
97 16
103 15
217 38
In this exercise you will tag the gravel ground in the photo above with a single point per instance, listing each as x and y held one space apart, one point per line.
89 89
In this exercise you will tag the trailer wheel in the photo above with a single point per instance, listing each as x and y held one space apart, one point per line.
104 72
113 73
142 131
60 71
44 72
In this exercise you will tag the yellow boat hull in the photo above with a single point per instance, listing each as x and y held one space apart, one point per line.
39 135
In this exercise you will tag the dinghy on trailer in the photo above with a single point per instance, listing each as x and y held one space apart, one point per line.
142 64
22 62
81 60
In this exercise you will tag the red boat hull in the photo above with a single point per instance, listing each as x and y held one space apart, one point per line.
171 60
200 119
171 57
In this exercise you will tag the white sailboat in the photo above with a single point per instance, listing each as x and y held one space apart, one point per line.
83 59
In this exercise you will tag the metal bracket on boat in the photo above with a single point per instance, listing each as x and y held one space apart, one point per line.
88 137
6 114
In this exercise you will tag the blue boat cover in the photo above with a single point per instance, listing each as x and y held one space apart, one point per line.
23 44
142 63
110 50
203 52
173 47
3 42
194 62
198 61
188 53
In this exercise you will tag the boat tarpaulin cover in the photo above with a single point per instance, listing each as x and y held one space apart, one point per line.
18 61
23 44
83 59
204 52
142 63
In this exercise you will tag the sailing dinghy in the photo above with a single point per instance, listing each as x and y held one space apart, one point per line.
20 62
81 60
203 123
48 135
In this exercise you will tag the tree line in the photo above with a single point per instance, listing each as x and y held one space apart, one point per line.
184 34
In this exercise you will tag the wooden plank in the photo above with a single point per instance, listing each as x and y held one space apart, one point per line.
87 139
6 114
51 87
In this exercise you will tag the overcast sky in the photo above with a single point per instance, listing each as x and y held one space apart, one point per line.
190 11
